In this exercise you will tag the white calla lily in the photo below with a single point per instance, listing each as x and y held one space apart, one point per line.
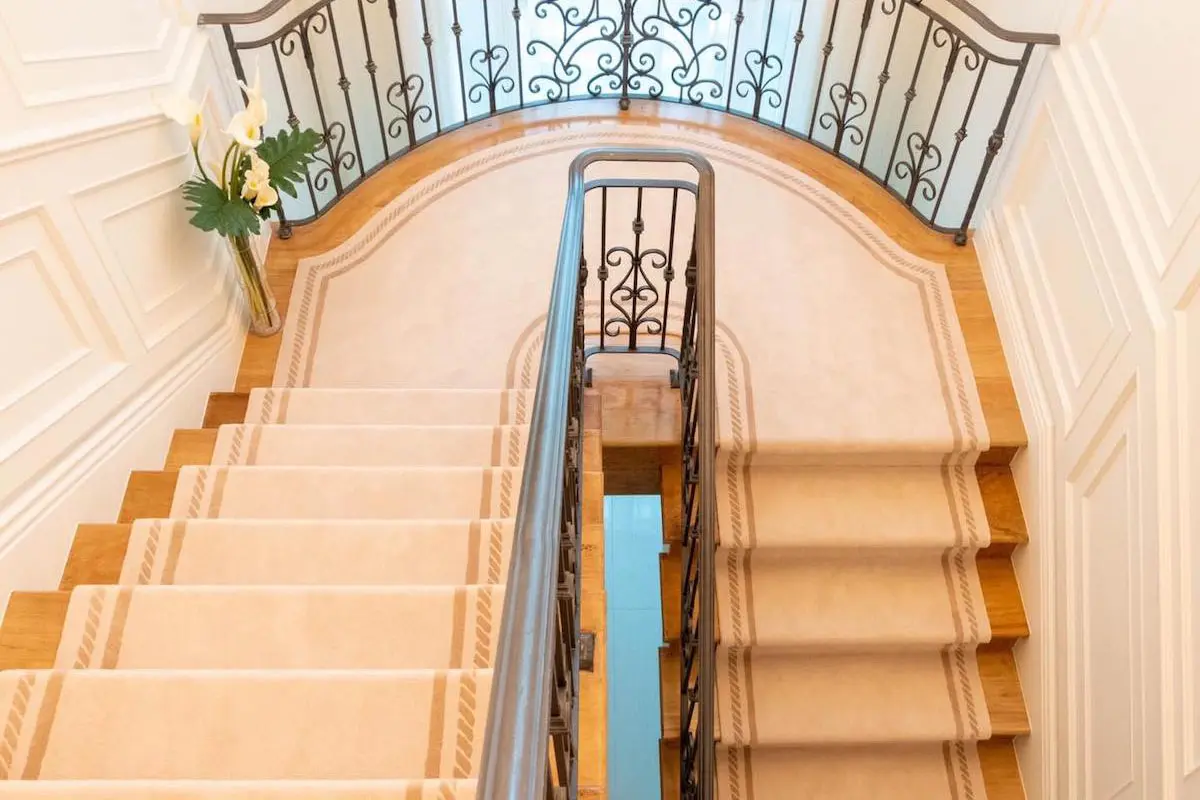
245 130
256 104
187 112
266 196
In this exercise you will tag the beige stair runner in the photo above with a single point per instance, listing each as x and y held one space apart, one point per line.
317 619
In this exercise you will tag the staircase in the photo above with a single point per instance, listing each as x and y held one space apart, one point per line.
305 604
865 633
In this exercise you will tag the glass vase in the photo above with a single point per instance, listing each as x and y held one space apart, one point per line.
264 315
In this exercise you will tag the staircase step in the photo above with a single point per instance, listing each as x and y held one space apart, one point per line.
820 601
926 507
997 763
240 790
245 725
371 445
880 698
249 627
389 406
848 601
344 493
997 489
310 552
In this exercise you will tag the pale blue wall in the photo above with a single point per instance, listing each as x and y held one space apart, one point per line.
632 543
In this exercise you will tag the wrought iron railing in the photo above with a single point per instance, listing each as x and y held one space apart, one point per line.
916 94
531 744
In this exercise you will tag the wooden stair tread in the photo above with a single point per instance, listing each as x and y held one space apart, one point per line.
191 446
226 408
96 555
148 495
996 485
997 760
1001 597
997 671
32 628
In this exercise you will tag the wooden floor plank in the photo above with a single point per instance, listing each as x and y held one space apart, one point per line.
96 555
227 408
191 447
32 628
148 495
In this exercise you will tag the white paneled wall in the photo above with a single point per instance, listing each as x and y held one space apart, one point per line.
1092 254
116 317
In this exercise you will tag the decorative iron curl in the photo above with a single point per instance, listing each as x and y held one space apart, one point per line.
943 37
410 109
847 107
759 83
675 29
622 296
922 156
334 138
579 31
494 80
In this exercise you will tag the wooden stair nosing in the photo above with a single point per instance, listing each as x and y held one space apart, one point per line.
226 408
190 446
997 761
997 672
97 555
32 628
148 495
998 579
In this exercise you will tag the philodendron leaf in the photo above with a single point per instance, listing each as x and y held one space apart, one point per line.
289 153
213 211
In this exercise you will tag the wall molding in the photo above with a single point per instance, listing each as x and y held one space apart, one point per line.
1032 392
23 510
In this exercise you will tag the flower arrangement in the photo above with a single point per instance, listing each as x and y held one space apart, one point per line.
244 188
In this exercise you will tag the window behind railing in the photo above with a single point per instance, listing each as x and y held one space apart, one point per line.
917 94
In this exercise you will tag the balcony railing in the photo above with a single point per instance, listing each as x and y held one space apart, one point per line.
916 94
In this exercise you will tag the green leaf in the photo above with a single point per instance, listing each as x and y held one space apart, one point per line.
289 153
213 211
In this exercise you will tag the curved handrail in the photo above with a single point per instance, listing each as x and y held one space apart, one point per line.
984 21
242 17
515 749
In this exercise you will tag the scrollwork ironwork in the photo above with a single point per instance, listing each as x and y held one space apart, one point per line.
405 98
674 29
915 168
580 32
338 161
848 106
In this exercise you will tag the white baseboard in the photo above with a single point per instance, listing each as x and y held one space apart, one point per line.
88 482
1034 471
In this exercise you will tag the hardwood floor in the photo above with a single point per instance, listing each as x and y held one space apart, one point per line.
640 420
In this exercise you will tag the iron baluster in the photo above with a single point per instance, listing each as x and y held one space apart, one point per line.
797 40
516 15
995 142
456 29
602 271
959 136
427 40
344 84
827 50
850 97
909 95
293 123
372 68
738 18
884 75
332 134
669 272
